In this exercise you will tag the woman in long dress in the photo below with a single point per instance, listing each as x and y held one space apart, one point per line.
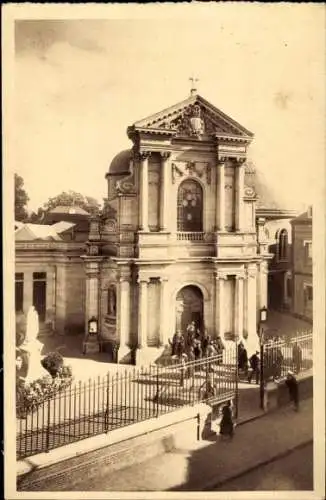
226 425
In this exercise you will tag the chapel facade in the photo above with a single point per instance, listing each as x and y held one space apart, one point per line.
178 240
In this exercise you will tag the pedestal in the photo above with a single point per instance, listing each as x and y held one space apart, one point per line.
123 353
34 368
91 345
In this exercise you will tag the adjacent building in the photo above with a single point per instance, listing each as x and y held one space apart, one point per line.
49 271
302 273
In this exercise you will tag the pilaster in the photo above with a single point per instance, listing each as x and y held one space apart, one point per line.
164 195
143 223
263 282
92 269
220 301
251 281
123 315
240 173
238 327
164 331
142 312
220 199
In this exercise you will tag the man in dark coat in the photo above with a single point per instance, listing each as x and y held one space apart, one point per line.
297 357
178 344
242 357
255 367
293 388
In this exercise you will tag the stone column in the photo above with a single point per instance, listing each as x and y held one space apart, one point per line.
164 195
142 312
240 173
251 282
54 298
220 199
164 331
263 282
219 310
143 223
92 289
124 316
61 300
239 307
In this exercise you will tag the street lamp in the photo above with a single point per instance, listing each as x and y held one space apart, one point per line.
92 326
262 321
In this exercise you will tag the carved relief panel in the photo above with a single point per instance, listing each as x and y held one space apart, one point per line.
200 169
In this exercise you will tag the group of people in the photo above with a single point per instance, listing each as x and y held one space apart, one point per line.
250 367
195 345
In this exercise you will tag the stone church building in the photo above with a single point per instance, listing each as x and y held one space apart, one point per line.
178 240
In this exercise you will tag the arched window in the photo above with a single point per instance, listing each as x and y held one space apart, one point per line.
190 207
283 245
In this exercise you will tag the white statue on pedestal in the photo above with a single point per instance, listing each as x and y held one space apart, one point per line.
33 347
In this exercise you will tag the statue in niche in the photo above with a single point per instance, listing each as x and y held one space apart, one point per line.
112 303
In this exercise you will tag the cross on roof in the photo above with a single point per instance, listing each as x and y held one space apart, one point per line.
193 89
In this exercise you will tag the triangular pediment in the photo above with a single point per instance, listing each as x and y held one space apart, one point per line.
194 117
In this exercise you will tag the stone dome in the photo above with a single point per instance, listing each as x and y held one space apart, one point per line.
120 165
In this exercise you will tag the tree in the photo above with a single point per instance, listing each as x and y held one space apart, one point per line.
21 199
71 198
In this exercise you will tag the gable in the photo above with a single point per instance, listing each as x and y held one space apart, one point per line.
193 117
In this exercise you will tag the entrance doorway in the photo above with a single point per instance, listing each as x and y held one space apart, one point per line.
39 294
189 307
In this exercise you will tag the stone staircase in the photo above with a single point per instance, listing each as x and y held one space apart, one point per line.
45 330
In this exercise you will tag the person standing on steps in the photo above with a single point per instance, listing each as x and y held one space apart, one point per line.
255 367
292 385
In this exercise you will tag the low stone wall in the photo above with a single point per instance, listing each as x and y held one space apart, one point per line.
62 467
277 393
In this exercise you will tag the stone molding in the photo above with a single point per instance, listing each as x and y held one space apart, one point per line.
251 272
191 169
143 279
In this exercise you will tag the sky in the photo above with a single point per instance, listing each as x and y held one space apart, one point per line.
80 83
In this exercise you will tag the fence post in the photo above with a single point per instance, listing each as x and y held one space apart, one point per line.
47 444
107 411
262 376
198 426
236 381
157 390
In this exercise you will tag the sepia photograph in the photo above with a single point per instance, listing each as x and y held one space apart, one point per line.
164 250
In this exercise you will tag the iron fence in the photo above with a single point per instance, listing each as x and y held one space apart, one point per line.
283 355
120 399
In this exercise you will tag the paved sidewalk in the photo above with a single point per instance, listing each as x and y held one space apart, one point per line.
206 463
284 324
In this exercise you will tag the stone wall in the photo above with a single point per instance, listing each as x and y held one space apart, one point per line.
302 271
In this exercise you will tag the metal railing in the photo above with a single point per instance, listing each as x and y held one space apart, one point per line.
107 403
190 236
283 355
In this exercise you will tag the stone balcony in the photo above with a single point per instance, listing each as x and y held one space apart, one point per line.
164 245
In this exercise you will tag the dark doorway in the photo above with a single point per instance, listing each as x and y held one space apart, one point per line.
39 294
19 292
189 307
